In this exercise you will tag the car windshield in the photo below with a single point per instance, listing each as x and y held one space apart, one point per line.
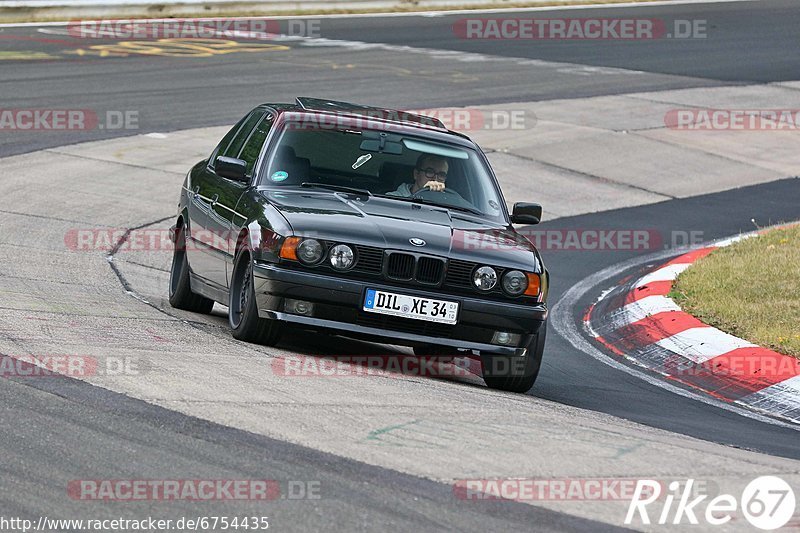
387 164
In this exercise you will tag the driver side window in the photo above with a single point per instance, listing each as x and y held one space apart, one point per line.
223 144
240 131
244 133
252 147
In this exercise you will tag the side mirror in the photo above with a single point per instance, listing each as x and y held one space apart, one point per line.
231 168
524 213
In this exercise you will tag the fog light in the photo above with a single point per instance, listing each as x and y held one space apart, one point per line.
485 278
299 307
342 257
505 339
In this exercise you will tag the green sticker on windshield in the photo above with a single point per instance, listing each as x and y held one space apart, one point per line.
280 175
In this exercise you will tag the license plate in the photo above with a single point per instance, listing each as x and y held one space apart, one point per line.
390 303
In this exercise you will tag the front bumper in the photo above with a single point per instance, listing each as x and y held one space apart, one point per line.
338 303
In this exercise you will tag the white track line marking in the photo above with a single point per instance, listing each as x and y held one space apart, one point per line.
727 242
652 305
702 344
667 273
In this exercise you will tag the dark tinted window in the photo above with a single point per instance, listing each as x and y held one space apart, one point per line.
226 141
252 148
244 133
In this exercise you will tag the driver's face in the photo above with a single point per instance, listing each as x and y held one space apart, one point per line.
434 169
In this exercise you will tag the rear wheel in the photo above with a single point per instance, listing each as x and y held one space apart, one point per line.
514 373
243 317
180 290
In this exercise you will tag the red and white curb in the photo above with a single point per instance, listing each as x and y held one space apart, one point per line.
638 321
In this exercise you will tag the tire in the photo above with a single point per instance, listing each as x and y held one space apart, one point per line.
180 290
243 317
515 374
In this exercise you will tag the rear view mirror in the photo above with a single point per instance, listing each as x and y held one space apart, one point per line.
524 213
231 168
388 148
385 143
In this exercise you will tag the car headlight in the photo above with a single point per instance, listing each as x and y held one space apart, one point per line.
310 251
342 257
485 278
515 282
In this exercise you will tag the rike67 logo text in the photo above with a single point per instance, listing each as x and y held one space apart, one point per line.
767 502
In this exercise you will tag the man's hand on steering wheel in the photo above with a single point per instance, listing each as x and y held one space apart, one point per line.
435 186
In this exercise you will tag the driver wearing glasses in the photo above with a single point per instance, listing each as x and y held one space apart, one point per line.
430 171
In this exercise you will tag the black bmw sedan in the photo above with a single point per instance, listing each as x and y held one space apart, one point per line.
366 222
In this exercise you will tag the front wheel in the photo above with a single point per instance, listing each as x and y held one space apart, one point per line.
515 373
243 317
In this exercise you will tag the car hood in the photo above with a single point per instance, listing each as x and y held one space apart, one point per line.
391 224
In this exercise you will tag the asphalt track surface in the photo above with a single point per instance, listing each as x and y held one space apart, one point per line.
71 429
746 43
67 421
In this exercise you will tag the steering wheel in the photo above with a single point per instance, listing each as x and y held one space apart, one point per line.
426 193
448 195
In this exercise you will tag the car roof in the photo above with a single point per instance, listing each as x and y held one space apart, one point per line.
349 113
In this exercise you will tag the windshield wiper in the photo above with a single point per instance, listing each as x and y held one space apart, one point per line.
341 188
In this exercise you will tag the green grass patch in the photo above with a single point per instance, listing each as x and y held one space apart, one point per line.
750 289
